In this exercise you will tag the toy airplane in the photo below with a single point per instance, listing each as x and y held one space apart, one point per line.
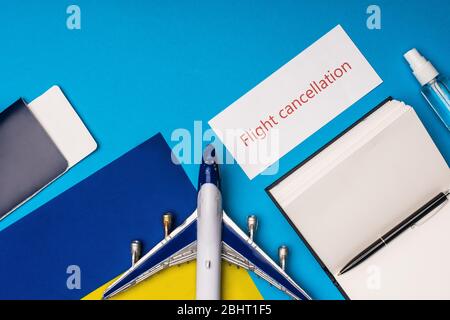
208 236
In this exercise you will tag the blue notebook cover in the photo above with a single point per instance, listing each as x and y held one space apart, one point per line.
92 224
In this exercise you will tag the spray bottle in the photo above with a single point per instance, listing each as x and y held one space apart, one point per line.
435 87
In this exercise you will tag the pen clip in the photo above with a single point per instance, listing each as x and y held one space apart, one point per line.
430 216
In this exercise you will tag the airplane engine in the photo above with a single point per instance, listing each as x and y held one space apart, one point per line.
252 224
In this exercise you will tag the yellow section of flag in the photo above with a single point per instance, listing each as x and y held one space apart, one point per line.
178 283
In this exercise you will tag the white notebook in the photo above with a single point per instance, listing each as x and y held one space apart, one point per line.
359 187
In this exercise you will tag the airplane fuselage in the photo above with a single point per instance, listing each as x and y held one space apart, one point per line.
209 242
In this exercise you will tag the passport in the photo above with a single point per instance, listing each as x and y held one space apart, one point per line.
39 142
29 159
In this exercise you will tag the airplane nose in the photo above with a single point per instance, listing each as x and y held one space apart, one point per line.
209 155
209 169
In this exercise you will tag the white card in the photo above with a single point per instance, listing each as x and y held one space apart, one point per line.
295 101
63 125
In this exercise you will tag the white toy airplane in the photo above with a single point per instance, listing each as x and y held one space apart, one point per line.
208 236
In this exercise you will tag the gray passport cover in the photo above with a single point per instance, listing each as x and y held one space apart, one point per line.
29 159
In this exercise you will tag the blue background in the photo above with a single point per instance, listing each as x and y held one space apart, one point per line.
141 67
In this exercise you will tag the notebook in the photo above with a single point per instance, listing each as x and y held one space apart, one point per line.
38 143
91 225
360 186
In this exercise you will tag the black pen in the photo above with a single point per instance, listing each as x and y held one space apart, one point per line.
397 230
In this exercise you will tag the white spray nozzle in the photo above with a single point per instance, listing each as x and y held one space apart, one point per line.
415 59
422 69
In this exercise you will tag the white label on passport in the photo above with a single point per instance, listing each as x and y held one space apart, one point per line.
295 101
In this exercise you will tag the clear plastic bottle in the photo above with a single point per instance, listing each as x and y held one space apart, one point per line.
435 87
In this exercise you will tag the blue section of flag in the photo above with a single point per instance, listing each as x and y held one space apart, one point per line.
92 224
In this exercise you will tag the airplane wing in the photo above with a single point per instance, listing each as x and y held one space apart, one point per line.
178 247
240 250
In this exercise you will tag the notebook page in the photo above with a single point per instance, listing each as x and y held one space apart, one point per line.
368 193
415 265
323 162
